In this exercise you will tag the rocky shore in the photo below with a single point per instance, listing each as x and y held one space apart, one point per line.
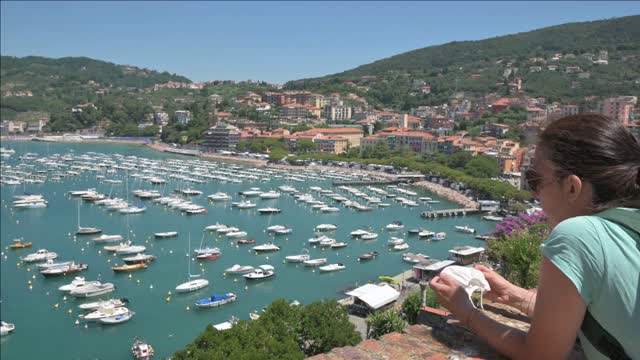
447 193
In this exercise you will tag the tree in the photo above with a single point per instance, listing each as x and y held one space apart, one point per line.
384 322
306 145
483 167
325 325
459 160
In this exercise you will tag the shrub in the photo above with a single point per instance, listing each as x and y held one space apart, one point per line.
384 322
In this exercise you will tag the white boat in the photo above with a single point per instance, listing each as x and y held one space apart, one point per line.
77 282
369 236
396 225
266 247
132 210
225 229
6 328
216 300
239 269
298 258
31 204
426 233
275 228
270 195
318 239
261 272
403 246
394 241
107 238
332 267
359 232
327 241
40 255
215 227
315 262
93 289
104 303
50 264
117 319
251 192
329 209
112 248
168 234
414 258
465 229
139 259
236 234
439 236
244 205
132 249
207 251
105 311
493 218
219 196
326 227
196 284
338 245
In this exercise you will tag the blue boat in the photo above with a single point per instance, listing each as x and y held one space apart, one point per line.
216 300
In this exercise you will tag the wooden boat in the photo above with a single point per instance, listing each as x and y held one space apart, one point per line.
19 244
131 267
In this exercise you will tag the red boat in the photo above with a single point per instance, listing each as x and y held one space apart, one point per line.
208 257
247 241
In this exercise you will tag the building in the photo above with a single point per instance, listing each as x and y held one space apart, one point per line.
417 141
370 297
337 113
620 108
161 118
567 110
183 116
273 98
535 114
466 255
221 137
298 111
16 127
331 144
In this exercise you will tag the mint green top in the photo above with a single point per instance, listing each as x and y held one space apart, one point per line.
602 259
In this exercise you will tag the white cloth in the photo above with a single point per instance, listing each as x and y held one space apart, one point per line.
470 279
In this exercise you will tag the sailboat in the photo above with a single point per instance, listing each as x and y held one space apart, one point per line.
85 230
191 285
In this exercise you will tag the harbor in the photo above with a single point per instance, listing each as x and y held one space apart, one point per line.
169 321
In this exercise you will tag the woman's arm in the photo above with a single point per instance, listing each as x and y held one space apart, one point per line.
559 312
504 292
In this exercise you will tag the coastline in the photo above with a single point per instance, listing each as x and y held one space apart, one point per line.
437 189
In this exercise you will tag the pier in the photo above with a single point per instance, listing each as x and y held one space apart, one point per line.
448 212
365 182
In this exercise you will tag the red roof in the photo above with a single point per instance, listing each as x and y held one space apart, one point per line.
335 131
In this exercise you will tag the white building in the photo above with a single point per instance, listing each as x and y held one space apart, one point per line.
337 113
183 116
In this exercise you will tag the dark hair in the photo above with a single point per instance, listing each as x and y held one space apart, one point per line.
598 150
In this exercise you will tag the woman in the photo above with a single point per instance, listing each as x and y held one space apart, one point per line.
584 164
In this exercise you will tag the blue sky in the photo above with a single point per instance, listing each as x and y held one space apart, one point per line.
271 41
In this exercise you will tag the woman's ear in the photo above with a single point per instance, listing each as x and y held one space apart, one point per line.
573 187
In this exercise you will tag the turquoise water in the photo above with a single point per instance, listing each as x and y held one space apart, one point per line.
42 330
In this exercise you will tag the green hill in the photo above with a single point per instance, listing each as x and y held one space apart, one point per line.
449 67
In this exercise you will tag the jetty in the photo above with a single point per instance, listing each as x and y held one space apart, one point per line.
365 182
448 212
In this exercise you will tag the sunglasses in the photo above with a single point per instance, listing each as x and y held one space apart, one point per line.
533 179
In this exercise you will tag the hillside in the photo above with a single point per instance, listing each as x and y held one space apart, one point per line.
450 67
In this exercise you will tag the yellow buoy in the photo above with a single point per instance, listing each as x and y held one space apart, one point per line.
168 299
235 280
187 308
29 282
138 281
55 306
70 312
28 269
169 293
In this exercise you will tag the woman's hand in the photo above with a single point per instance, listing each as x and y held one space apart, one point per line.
452 296
502 291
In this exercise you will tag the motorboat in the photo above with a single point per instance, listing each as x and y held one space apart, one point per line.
93 289
415 231
369 236
414 258
88 231
329 209
332 267
239 269
131 249
439 236
141 350
104 303
493 218
19 244
64 270
318 239
244 205
236 234
50 264
261 272
465 229
163 235
192 285
368 256
269 210
129 267
133 210
107 238
117 319
139 258
283 231
395 241
400 247
208 256
326 227
215 227
6 328
207 250
216 300
426 233
105 311
275 228
252 192
40 255
396 225
226 229
77 282
266 247
112 248
338 245
197 211
270 195
327 241
219 196
246 241
298 258
315 262
359 232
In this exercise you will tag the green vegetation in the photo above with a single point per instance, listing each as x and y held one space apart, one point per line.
284 331
411 307
448 68
384 322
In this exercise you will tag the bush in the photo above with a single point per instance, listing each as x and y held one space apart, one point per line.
411 307
384 322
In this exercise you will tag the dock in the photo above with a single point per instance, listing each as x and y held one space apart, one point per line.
448 212
365 182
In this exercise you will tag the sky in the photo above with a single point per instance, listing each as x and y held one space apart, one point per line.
269 41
